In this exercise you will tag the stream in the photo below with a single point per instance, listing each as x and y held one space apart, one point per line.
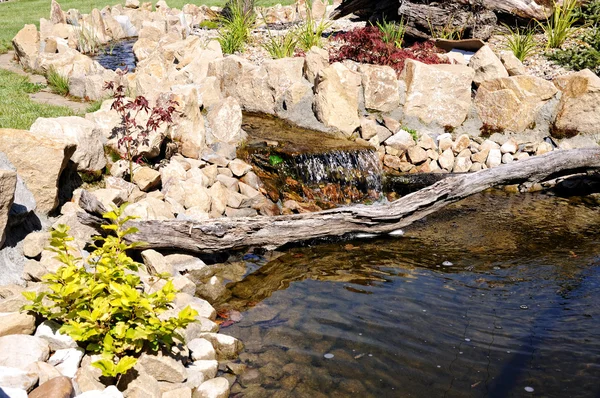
495 296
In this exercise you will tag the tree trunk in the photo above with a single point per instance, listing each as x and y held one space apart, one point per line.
222 234
427 18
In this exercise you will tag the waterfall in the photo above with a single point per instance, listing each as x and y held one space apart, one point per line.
359 168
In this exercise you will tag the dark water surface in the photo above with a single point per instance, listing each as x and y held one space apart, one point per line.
118 55
517 310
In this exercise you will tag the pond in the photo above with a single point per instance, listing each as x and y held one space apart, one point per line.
494 296
118 55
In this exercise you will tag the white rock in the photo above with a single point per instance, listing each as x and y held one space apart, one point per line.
163 368
509 146
48 331
108 392
201 349
67 361
16 378
200 371
203 307
16 323
507 158
227 347
215 388
494 158
20 351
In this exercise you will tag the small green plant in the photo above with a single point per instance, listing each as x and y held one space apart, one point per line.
413 133
5 46
94 106
100 302
235 30
57 82
391 32
310 33
521 42
208 24
274 160
281 46
87 41
446 32
559 27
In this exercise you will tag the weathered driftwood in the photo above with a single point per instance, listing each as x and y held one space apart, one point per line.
474 18
235 233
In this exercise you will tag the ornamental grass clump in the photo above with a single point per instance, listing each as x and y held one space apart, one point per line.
559 27
281 46
521 42
235 29
392 32
100 301
57 82
310 33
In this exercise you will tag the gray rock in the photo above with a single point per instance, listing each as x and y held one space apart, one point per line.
143 386
200 371
401 141
20 351
48 331
67 360
24 201
156 263
181 392
163 368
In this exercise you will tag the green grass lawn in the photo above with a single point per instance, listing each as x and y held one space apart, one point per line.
17 111
16 13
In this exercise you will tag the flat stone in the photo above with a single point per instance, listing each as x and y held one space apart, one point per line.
16 323
146 178
17 378
417 155
181 392
34 243
163 368
59 387
20 351
239 168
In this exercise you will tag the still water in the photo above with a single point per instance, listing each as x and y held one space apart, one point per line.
496 296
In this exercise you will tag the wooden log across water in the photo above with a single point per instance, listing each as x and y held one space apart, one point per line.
223 234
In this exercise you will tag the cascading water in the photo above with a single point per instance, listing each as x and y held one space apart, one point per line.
359 169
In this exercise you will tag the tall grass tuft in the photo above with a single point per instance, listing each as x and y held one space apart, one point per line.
310 33
446 32
281 46
57 82
235 30
521 42
391 32
559 27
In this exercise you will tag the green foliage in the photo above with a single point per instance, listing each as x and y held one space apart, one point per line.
559 27
391 32
208 24
235 31
413 133
100 301
585 55
589 13
275 160
5 46
94 106
521 42
281 46
57 82
17 110
310 33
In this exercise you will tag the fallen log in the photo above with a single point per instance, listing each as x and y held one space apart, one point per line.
222 234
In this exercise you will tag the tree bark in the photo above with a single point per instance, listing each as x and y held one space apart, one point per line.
236 233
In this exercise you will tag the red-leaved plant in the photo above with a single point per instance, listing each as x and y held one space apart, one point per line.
130 134
365 45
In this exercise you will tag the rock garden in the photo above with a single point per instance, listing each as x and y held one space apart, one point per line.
218 135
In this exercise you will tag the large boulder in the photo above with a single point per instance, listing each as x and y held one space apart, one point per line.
512 103
8 184
27 46
225 121
246 82
283 73
89 155
487 65
39 161
336 99
438 93
579 107
188 127
380 87
24 202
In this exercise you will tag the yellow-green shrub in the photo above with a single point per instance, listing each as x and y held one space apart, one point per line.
100 301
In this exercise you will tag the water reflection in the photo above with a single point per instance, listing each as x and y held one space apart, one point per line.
518 308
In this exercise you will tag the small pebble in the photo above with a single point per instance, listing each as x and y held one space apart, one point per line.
529 389
447 264
467 339
328 356
523 307
397 232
